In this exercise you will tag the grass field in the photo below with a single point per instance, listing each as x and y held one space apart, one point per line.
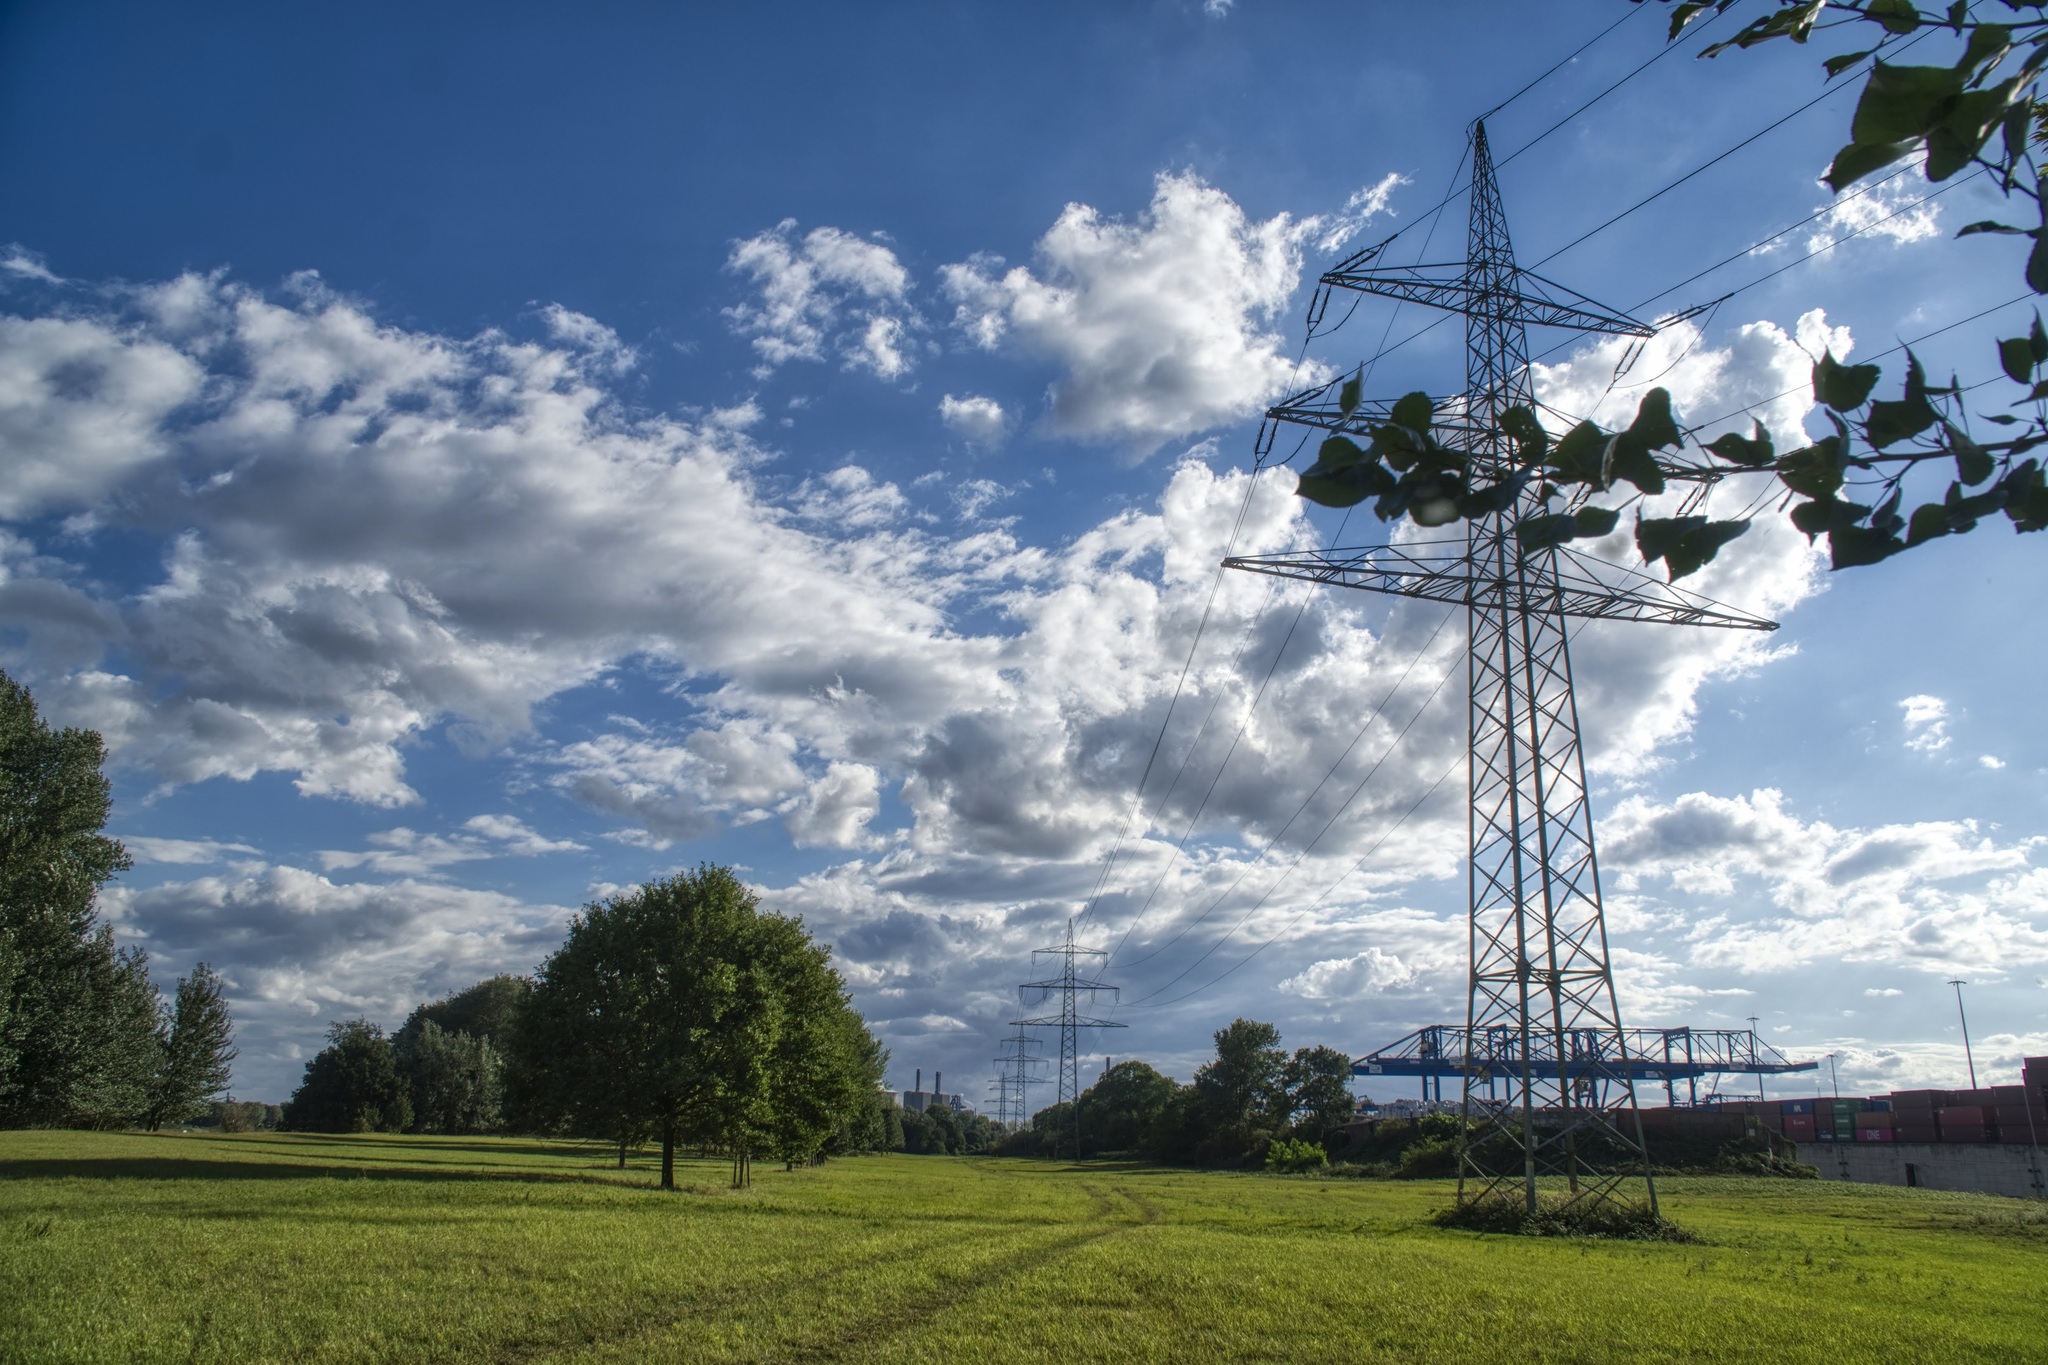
130 1247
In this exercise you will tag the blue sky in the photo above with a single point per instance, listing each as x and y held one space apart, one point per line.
468 462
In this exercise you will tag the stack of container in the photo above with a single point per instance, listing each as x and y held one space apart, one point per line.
1838 1119
1968 1122
1795 1120
1874 1121
1915 1115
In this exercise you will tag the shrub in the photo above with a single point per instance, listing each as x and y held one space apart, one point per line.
1287 1156
1558 1217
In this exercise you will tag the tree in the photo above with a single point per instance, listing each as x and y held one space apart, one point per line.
353 1085
1120 1109
78 1015
488 1010
683 1006
1851 485
1243 1093
1318 1082
198 1052
456 1080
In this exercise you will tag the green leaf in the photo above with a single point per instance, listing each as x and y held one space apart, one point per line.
2016 357
1929 520
1843 387
1627 459
1697 548
2037 259
1530 439
1415 412
1973 462
1966 127
1743 450
1348 396
1658 536
1859 159
1344 487
1814 517
2040 392
1893 422
1538 533
1989 226
1837 65
1682 14
1897 16
2038 340
1903 101
1579 456
1987 45
1852 546
1339 452
1654 426
1593 522
1815 471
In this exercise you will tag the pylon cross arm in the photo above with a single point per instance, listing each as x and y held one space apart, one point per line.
1467 293
1581 587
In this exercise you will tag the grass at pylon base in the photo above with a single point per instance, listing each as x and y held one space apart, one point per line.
261 1247
1556 1216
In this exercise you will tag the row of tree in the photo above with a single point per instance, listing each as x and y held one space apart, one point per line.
679 1012
86 1039
1249 1096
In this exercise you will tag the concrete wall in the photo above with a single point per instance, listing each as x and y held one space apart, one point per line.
1982 1167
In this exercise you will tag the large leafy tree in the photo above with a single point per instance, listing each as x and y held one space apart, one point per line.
78 1015
1975 111
488 1010
1244 1092
456 1079
1318 1084
682 1007
353 1085
198 1051
1119 1110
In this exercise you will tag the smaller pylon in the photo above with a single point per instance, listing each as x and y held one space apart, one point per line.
1069 986
1014 1078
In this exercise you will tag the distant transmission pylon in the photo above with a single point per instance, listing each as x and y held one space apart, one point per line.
1070 987
1541 1014
1014 1078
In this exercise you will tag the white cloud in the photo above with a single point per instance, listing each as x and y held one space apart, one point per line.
1881 211
978 419
1934 896
1347 978
1364 205
829 290
1926 721
373 537
1885 991
18 260
836 809
187 852
1159 326
1991 761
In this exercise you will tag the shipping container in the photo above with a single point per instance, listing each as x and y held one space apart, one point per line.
1873 1135
1874 1118
1967 1113
1796 1107
1967 1133
1799 1126
1918 1099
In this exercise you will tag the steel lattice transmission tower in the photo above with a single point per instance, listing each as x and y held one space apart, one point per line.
1542 1094
1070 987
1014 1078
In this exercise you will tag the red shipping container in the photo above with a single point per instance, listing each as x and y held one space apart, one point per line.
1966 1114
1874 1118
1799 1126
1918 1099
1975 1132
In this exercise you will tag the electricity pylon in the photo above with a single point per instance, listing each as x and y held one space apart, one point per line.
1541 1012
1014 1079
1070 987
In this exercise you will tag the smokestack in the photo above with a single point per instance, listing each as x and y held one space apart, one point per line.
938 1086
920 1081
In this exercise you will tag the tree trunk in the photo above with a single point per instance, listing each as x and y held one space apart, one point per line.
668 1153
622 1154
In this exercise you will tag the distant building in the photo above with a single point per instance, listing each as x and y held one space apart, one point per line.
921 1100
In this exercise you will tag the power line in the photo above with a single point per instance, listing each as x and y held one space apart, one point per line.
1303 913
1372 716
1307 848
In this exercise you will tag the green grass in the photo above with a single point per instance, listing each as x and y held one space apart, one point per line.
125 1247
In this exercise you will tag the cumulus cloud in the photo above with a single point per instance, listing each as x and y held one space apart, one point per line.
827 291
1348 978
978 419
1926 721
1886 210
1991 761
1161 327
373 538
1930 895
186 852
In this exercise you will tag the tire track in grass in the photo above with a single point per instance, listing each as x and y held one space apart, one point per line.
919 1310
